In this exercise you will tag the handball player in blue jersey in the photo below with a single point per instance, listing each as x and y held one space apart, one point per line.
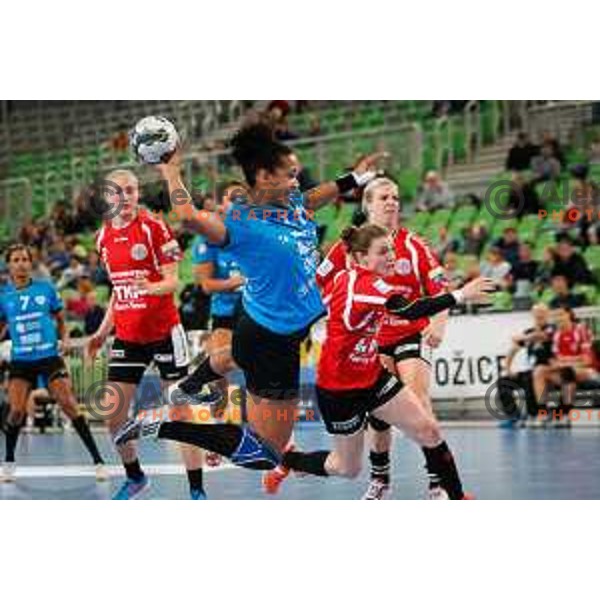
33 312
272 235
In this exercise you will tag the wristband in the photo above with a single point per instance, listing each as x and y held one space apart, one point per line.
459 296
350 181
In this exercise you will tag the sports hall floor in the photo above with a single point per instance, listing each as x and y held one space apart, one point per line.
495 463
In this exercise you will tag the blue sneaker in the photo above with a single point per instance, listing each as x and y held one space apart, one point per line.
198 495
130 490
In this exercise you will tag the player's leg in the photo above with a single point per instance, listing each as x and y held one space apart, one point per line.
18 394
405 411
60 387
128 363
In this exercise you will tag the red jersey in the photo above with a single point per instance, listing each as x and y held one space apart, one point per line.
417 273
350 356
573 343
139 250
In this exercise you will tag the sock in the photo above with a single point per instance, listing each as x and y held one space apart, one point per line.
83 430
380 466
442 470
307 462
196 380
195 479
12 436
134 470
236 442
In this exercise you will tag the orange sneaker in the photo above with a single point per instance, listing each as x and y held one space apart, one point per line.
468 496
272 480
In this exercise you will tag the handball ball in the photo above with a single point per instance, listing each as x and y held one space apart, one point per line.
153 140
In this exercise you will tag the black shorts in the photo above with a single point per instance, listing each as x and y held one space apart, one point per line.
218 322
345 412
410 347
129 361
270 361
47 369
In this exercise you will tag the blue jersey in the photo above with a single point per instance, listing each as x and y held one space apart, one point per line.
29 313
276 248
222 304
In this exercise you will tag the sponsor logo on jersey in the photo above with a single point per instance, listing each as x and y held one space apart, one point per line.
40 300
437 274
139 252
171 249
403 266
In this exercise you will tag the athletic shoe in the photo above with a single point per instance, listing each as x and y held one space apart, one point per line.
198 495
208 394
102 473
437 493
377 490
468 496
272 480
131 490
8 474
146 424
508 424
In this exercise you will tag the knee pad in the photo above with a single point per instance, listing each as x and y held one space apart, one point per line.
568 375
378 424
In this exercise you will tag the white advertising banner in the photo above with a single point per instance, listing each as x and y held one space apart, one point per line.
473 353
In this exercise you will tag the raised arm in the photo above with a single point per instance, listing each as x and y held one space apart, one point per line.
204 222
361 174
428 306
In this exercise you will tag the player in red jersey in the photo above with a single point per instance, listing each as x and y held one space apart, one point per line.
572 362
404 346
141 256
351 381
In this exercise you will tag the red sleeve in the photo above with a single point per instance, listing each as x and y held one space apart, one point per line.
586 340
373 291
332 264
165 243
556 343
431 273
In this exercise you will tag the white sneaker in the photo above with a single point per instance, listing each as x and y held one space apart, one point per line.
102 473
8 474
437 493
377 490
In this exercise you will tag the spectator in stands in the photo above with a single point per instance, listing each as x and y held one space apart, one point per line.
509 244
40 270
550 139
537 341
120 141
434 193
546 167
496 268
277 113
571 362
454 274
94 314
71 274
78 306
563 296
445 244
96 270
472 268
58 257
523 197
570 263
520 155
524 271
475 238
86 208
585 198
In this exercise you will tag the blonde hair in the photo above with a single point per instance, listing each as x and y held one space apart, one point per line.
372 187
117 173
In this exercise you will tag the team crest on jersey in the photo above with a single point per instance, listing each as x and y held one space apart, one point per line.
403 266
40 300
139 252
